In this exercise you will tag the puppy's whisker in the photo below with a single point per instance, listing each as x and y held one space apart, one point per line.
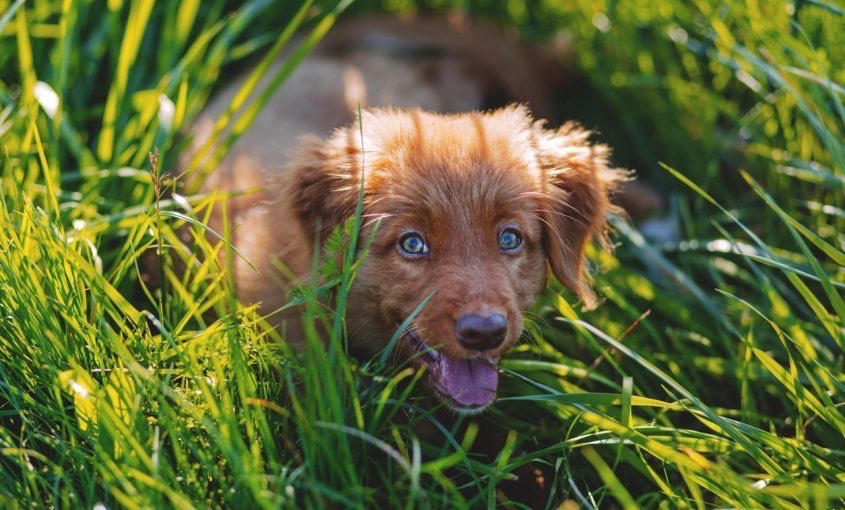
537 319
534 194
527 337
567 216
377 200
375 218
347 189
565 203
554 232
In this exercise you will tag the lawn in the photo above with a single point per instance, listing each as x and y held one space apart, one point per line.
712 376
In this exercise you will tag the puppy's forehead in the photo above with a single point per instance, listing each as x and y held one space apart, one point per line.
461 158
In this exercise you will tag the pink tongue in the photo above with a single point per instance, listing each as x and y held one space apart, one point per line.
470 382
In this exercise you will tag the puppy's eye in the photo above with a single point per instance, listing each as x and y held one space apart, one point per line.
411 245
510 240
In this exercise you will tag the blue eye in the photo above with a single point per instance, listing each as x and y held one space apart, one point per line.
412 245
510 240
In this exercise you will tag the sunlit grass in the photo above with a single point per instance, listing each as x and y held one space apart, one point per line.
711 376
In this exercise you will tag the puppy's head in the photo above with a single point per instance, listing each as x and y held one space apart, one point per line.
470 208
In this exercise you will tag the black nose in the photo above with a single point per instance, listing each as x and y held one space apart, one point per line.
481 332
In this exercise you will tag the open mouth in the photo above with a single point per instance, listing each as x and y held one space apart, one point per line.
467 385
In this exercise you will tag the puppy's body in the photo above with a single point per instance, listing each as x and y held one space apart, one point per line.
469 207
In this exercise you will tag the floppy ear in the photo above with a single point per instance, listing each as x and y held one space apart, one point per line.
325 175
577 183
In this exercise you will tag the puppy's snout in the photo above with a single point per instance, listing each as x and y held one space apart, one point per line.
481 332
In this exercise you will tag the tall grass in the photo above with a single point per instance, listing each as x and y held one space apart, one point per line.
712 375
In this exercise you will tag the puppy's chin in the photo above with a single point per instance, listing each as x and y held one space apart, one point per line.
465 385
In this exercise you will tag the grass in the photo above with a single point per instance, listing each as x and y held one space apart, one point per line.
712 375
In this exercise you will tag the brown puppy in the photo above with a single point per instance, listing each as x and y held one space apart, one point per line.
470 209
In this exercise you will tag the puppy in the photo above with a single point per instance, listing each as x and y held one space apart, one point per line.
468 208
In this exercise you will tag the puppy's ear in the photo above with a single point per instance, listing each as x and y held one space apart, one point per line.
577 183
325 176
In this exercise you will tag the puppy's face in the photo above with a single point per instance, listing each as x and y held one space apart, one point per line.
464 211
470 238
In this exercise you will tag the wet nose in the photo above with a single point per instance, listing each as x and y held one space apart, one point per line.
481 332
